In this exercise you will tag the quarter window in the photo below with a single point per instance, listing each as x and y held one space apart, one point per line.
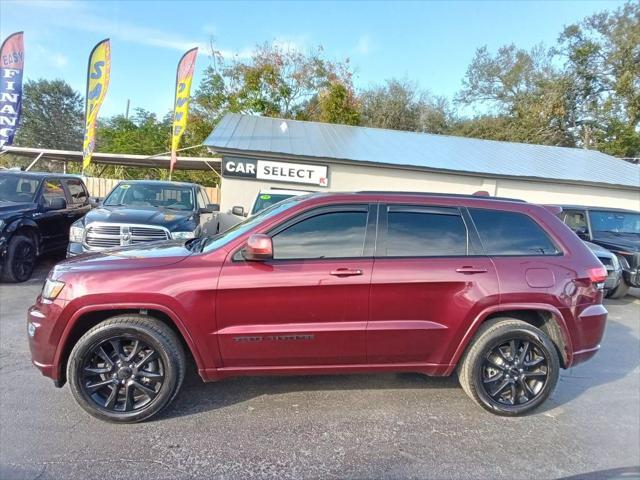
327 235
424 234
511 233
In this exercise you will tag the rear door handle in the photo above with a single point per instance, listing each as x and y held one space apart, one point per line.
346 272
471 270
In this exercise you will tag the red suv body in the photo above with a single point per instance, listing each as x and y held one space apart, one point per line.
329 283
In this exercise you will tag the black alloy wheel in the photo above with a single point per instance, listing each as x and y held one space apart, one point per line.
127 368
122 374
515 371
20 259
510 367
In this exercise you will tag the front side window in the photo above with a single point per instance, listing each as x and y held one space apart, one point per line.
425 234
326 235
52 189
77 191
511 233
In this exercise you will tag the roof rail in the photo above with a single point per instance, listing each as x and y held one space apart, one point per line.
434 194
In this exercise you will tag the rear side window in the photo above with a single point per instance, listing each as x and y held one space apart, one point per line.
328 235
510 233
77 191
418 233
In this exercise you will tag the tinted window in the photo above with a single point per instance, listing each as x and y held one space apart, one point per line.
509 233
328 235
77 191
425 234
51 189
151 195
14 188
575 219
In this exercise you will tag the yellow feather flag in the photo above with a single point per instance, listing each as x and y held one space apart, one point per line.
184 76
98 74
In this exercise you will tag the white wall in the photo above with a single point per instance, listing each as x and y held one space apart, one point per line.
348 178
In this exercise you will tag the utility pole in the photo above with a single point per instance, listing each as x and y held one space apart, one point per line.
126 112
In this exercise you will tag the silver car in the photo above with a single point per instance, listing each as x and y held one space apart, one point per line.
611 263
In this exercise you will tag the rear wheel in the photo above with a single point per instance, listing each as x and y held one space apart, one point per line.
510 368
126 369
620 291
20 259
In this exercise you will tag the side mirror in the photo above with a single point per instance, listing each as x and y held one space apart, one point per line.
583 233
238 211
211 208
56 203
95 201
259 248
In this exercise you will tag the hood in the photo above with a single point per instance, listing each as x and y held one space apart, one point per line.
10 208
629 242
151 254
163 217
597 248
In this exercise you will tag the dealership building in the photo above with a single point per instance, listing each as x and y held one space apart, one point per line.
260 153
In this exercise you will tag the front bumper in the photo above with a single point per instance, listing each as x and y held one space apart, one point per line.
75 248
44 332
632 277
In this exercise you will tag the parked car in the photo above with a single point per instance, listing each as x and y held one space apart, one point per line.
263 200
500 291
615 229
36 211
612 264
142 211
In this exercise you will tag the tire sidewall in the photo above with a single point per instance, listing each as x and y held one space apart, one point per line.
14 244
87 343
490 342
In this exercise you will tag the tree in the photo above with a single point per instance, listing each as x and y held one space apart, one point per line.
400 105
52 116
142 134
276 82
602 58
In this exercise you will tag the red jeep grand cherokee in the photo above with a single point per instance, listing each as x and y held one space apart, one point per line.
501 291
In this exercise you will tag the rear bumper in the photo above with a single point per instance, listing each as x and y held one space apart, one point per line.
592 322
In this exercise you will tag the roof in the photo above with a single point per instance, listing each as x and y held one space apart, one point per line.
38 175
160 182
600 209
157 161
313 141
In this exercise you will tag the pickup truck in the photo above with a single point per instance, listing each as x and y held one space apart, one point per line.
142 211
36 211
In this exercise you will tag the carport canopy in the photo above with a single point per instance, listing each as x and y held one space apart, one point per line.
119 159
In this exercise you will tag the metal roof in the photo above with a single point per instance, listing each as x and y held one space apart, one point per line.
313 141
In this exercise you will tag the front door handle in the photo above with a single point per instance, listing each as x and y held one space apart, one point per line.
471 270
346 272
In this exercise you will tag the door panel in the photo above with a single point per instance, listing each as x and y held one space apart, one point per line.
301 311
428 282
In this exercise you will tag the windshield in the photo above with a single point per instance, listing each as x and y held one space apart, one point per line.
149 195
615 222
265 200
18 188
217 241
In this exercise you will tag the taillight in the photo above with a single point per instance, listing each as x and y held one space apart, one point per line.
597 274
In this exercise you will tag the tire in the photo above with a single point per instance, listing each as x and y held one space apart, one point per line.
620 291
483 372
126 382
20 259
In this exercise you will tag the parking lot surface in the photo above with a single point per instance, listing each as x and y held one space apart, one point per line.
360 426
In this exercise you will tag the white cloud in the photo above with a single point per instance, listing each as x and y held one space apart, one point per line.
364 45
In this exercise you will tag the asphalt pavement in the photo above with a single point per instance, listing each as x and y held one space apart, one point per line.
360 426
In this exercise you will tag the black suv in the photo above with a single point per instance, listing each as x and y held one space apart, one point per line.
143 211
615 229
36 211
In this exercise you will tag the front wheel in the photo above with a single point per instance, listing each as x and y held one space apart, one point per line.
20 259
126 369
511 368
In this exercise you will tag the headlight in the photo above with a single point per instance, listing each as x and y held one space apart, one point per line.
52 289
76 233
183 235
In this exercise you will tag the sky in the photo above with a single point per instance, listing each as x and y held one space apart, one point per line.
431 43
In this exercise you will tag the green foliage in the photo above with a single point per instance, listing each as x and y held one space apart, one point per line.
52 116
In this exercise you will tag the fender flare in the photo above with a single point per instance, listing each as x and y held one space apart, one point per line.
186 335
506 307
29 223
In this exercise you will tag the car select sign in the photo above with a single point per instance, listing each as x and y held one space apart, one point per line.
276 171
